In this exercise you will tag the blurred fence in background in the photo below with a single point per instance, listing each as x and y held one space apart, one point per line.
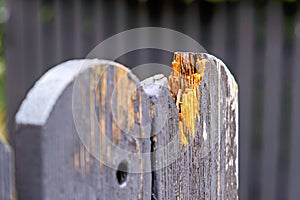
259 42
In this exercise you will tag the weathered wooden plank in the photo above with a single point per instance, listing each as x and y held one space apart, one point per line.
122 24
78 40
229 133
195 152
7 186
15 74
245 60
164 123
99 21
294 176
192 21
32 33
219 27
70 35
88 27
58 29
271 115
51 30
71 144
95 111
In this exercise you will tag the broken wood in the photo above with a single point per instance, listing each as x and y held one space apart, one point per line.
206 166
89 129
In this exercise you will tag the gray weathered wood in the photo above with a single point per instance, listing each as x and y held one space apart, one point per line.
245 76
7 186
58 29
15 76
58 44
78 27
219 30
294 175
84 118
207 167
164 124
272 96
53 161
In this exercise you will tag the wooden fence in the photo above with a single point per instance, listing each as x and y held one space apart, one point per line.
7 173
260 42
88 129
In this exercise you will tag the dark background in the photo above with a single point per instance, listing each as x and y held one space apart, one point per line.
259 41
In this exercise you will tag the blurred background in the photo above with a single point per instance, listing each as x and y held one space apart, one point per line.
258 40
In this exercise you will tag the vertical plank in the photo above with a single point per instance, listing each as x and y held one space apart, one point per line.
121 24
231 41
206 10
32 51
245 78
58 30
164 124
70 35
229 134
50 17
99 21
39 38
88 27
15 71
258 102
7 185
61 157
192 21
272 88
167 21
142 21
219 36
109 13
201 163
78 28
294 178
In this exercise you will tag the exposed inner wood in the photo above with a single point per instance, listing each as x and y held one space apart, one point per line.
184 84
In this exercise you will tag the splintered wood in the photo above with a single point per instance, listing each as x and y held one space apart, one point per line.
184 83
89 129
203 116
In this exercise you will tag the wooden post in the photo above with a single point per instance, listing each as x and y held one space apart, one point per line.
203 164
90 130
7 186
54 160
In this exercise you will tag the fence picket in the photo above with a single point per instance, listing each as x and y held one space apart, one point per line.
272 88
54 161
294 177
219 27
7 184
245 62
58 30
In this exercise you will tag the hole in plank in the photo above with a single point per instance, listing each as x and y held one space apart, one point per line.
122 173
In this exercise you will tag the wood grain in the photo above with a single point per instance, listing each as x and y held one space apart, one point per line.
7 184
206 168
89 129
54 160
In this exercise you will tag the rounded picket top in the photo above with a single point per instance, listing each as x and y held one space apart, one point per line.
71 129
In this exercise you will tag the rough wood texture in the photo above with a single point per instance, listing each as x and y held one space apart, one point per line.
89 130
7 191
51 160
207 167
